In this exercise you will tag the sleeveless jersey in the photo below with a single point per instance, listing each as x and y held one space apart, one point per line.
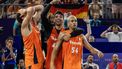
33 50
72 52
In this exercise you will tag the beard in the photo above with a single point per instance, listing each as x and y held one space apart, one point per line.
115 61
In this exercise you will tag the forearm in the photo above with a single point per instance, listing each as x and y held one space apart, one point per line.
94 51
38 7
88 46
12 54
89 29
53 55
103 34
46 10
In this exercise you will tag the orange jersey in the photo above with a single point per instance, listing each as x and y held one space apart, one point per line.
33 50
72 52
50 44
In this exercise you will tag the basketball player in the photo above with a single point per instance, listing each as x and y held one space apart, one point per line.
31 36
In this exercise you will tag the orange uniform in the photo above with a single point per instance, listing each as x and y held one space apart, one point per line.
72 52
33 52
50 44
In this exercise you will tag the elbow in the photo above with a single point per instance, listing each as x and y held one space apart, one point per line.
30 10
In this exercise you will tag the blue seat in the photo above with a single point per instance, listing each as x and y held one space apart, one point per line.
101 40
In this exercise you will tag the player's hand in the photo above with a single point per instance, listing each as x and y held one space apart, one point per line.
22 12
67 37
61 36
100 54
86 19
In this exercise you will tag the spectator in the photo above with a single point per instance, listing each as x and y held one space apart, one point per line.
9 55
116 9
90 64
107 8
113 34
115 64
21 64
95 7
13 9
95 21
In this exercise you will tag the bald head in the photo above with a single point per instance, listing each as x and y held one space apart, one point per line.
115 58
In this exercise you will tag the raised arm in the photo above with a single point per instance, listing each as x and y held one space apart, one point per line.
38 11
29 13
120 29
90 48
45 21
88 30
87 21
106 31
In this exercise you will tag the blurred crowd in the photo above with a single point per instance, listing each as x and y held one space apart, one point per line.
109 9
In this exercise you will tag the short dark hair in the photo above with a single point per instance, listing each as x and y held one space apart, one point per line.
9 38
59 12
116 26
